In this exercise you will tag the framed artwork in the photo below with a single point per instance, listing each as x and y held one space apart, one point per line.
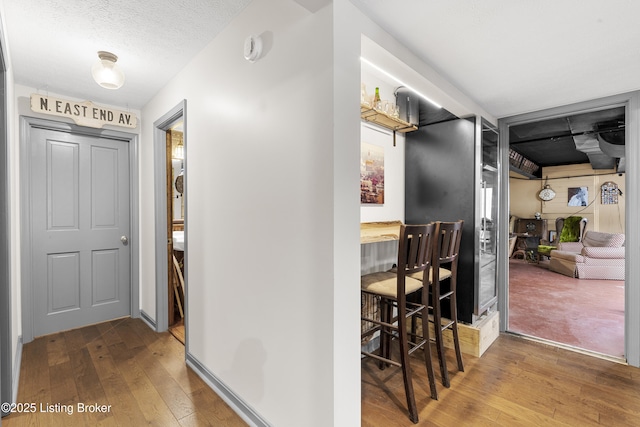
371 174
552 235
578 196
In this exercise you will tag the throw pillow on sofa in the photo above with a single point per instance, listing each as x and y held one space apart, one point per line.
597 239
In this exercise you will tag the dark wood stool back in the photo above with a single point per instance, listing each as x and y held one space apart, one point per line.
414 258
445 269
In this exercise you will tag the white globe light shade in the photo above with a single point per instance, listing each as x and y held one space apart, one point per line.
106 72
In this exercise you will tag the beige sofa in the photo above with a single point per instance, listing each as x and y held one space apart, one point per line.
597 256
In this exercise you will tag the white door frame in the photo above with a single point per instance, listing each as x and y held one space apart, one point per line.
160 127
631 102
26 124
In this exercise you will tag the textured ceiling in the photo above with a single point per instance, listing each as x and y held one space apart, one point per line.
517 56
53 43
510 56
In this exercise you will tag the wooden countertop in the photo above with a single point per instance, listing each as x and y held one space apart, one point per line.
382 231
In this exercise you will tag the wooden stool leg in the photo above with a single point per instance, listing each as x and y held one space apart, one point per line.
383 332
427 346
386 312
389 336
454 329
437 327
406 368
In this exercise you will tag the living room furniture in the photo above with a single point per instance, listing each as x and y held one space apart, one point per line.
570 229
512 244
415 249
524 229
529 248
531 227
597 256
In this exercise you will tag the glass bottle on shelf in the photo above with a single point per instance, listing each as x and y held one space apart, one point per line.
364 97
377 103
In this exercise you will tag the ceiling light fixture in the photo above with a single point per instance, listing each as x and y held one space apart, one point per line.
106 73
400 82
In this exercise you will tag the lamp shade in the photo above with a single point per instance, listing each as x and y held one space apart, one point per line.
106 72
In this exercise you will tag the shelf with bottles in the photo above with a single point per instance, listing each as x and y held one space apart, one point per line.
385 120
383 113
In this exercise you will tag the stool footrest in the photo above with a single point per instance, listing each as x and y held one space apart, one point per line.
447 325
382 359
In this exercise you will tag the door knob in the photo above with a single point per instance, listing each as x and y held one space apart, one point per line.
124 240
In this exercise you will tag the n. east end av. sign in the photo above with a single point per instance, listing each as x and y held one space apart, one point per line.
84 113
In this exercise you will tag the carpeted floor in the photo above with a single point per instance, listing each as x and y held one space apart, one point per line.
587 314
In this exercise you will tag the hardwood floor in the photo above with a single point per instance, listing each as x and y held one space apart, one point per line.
143 377
517 382
138 375
178 331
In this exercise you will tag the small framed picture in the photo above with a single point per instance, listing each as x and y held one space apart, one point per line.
578 196
552 235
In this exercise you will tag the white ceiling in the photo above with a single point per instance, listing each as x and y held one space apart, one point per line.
510 56
515 56
53 43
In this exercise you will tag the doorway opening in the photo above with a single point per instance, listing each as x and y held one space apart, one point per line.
171 227
556 297
175 221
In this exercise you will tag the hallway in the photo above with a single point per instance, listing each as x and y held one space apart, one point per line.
134 375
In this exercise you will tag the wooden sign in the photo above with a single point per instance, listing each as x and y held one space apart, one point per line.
84 113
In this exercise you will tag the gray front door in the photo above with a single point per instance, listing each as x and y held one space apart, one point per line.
80 229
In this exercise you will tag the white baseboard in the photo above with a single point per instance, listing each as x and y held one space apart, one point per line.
17 363
148 320
248 414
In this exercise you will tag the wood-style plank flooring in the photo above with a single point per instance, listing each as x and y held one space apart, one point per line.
143 376
517 382
140 376
178 331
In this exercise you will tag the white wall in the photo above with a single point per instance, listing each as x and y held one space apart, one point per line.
346 214
15 219
260 192
14 212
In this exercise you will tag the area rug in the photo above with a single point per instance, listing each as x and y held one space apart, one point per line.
587 314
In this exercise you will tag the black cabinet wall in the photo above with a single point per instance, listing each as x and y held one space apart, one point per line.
441 184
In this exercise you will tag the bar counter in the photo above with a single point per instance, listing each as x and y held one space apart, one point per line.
381 231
